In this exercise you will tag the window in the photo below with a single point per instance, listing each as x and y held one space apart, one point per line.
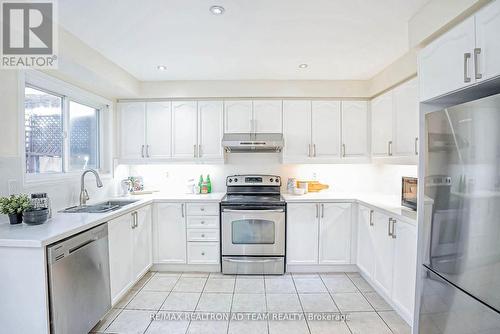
61 134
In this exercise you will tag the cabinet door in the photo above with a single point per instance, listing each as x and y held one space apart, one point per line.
302 233
297 129
406 118
142 246
159 130
405 264
326 129
132 129
365 245
238 116
120 255
170 233
268 116
354 128
488 42
382 112
446 64
210 115
335 233
184 129
383 253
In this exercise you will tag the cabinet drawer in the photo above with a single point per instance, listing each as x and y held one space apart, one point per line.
202 209
200 234
203 252
203 222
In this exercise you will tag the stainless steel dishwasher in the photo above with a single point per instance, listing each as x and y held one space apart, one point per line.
79 284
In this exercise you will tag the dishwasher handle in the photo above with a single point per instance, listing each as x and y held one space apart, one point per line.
67 247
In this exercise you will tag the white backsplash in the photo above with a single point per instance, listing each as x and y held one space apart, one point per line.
340 177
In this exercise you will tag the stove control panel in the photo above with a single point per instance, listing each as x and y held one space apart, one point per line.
253 180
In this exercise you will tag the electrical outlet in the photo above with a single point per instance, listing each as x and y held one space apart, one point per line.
315 176
13 187
167 175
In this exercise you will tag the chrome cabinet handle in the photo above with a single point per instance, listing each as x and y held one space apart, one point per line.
203 236
343 150
202 253
199 151
467 56
142 151
314 150
389 227
389 148
309 151
393 233
322 210
147 151
416 145
317 210
477 52
371 217
182 210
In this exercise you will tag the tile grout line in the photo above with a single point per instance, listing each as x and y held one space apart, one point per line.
334 302
298 296
231 306
197 303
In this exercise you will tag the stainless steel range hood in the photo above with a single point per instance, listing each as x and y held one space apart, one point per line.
252 142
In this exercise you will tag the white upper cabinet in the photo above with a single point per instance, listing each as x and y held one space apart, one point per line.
365 245
158 130
267 116
302 233
382 124
325 129
487 50
170 233
210 118
405 264
184 129
406 120
354 128
446 64
335 233
238 116
297 129
132 129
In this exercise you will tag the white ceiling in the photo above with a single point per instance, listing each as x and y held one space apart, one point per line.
254 39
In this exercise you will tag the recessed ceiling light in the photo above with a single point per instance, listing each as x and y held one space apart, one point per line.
217 10
161 67
303 66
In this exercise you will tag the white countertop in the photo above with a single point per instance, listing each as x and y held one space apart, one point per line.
63 225
390 204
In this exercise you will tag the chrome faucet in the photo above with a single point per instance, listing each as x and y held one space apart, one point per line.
84 195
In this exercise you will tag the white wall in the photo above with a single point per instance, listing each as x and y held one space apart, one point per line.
340 177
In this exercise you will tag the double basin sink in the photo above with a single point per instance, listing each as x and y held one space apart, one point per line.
103 207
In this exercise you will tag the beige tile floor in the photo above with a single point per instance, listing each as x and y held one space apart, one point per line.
299 294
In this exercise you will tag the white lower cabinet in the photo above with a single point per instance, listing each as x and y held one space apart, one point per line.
170 233
335 233
387 256
318 233
129 250
187 233
302 233
203 252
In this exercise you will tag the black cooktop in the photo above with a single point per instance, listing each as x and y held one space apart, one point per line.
239 199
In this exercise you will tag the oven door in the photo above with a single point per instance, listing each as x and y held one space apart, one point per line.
253 231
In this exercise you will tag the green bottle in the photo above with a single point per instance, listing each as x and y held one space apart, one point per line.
209 184
200 183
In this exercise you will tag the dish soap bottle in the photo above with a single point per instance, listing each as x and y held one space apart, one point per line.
209 184
200 184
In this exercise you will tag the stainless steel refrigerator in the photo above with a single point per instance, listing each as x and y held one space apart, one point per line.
459 290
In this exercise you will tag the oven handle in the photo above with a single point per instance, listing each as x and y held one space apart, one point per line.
253 261
253 211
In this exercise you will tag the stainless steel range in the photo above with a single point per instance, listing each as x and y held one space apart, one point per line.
253 225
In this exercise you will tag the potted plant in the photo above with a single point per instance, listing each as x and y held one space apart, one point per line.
13 206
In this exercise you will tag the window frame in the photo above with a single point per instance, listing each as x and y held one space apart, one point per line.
43 82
